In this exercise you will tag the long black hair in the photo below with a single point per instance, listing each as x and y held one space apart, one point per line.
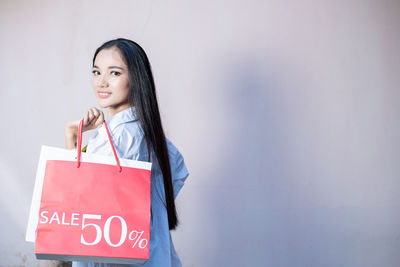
142 95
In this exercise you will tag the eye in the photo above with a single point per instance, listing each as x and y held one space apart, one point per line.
95 72
115 73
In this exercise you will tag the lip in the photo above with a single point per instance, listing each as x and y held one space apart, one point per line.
103 94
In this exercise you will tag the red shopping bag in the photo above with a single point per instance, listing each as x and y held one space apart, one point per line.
91 208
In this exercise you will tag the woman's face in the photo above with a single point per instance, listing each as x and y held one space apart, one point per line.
111 81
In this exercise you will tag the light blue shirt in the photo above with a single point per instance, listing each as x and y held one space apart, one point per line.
129 143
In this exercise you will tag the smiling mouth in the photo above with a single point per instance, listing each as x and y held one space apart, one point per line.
103 94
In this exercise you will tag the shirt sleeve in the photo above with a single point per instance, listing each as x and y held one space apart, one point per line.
131 144
179 171
181 174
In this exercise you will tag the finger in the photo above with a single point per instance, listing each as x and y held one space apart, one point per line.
101 115
100 118
91 115
86 118
96 112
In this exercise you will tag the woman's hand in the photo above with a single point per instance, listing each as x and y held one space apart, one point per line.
92 119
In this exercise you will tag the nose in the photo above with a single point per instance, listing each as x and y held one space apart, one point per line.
102 81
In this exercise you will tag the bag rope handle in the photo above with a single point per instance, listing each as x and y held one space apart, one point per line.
80 131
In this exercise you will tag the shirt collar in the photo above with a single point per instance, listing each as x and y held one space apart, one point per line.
124 116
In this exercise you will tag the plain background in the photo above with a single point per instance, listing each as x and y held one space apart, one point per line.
287 114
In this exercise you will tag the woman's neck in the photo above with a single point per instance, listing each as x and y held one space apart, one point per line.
112 111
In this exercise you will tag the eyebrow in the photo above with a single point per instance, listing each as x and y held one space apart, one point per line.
110 67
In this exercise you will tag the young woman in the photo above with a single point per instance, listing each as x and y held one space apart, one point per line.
123 84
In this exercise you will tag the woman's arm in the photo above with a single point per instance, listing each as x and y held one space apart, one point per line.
71 132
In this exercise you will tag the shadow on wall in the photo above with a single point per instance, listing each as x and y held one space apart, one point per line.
257 218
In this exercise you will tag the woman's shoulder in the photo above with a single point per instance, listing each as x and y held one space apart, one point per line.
125 123
128 130
130 141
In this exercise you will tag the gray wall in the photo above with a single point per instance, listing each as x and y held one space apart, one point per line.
286 113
